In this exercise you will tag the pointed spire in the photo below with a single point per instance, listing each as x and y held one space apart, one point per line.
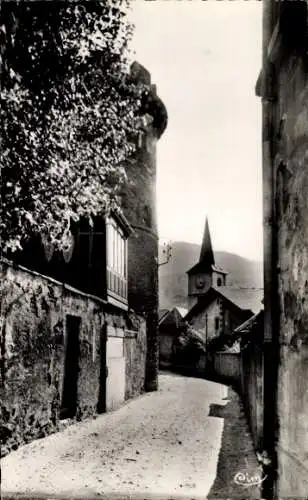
206 254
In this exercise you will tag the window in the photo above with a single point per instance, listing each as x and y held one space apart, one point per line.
216 324
116 262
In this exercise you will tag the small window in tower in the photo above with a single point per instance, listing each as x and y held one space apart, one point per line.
219 282
216 324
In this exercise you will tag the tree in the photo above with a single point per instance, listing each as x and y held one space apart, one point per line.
69 114
189 346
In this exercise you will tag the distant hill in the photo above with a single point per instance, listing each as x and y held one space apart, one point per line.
173 278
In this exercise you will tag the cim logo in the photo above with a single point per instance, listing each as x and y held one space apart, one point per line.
247 479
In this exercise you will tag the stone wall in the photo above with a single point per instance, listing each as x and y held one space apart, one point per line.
228 319
252 389
290 163
135 350
244 371
199 322
34 312
195 291
228 365
165 347
139 205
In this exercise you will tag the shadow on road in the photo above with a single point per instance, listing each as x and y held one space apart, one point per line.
237 462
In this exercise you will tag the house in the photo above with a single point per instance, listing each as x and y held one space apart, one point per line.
170 326
79 327
283 88
217 308
251 330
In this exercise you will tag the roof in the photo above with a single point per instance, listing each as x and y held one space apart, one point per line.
247 325
182 311
246 299
206 253
201 267
251 330
171 318
161 313
206 260
219 269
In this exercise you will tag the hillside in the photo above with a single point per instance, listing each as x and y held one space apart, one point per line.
173 278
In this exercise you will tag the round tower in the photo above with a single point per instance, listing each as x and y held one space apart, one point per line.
139 206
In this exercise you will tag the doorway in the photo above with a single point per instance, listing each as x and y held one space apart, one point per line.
71 368
101 405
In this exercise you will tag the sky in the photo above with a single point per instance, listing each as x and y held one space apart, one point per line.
204 57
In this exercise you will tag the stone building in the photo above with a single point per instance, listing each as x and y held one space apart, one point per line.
216 308
139 206
79 328
170 326
221 309
283 88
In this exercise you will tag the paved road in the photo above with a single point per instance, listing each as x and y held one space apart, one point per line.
162 444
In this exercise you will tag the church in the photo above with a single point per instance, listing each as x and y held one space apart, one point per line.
214 307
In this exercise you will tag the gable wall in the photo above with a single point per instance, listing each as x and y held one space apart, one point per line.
229 319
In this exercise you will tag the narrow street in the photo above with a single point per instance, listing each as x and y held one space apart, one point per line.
162 445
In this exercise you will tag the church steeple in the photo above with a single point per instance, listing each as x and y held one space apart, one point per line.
205 274
206 254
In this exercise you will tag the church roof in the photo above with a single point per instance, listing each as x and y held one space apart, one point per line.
206 261
246 299
201 267
206 254
219 269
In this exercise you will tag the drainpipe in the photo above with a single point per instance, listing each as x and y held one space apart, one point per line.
270 265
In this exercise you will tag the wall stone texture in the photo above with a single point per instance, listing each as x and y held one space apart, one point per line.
293 423
32 353
227 318
290 164
244 371
199 321
139 206
135 350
